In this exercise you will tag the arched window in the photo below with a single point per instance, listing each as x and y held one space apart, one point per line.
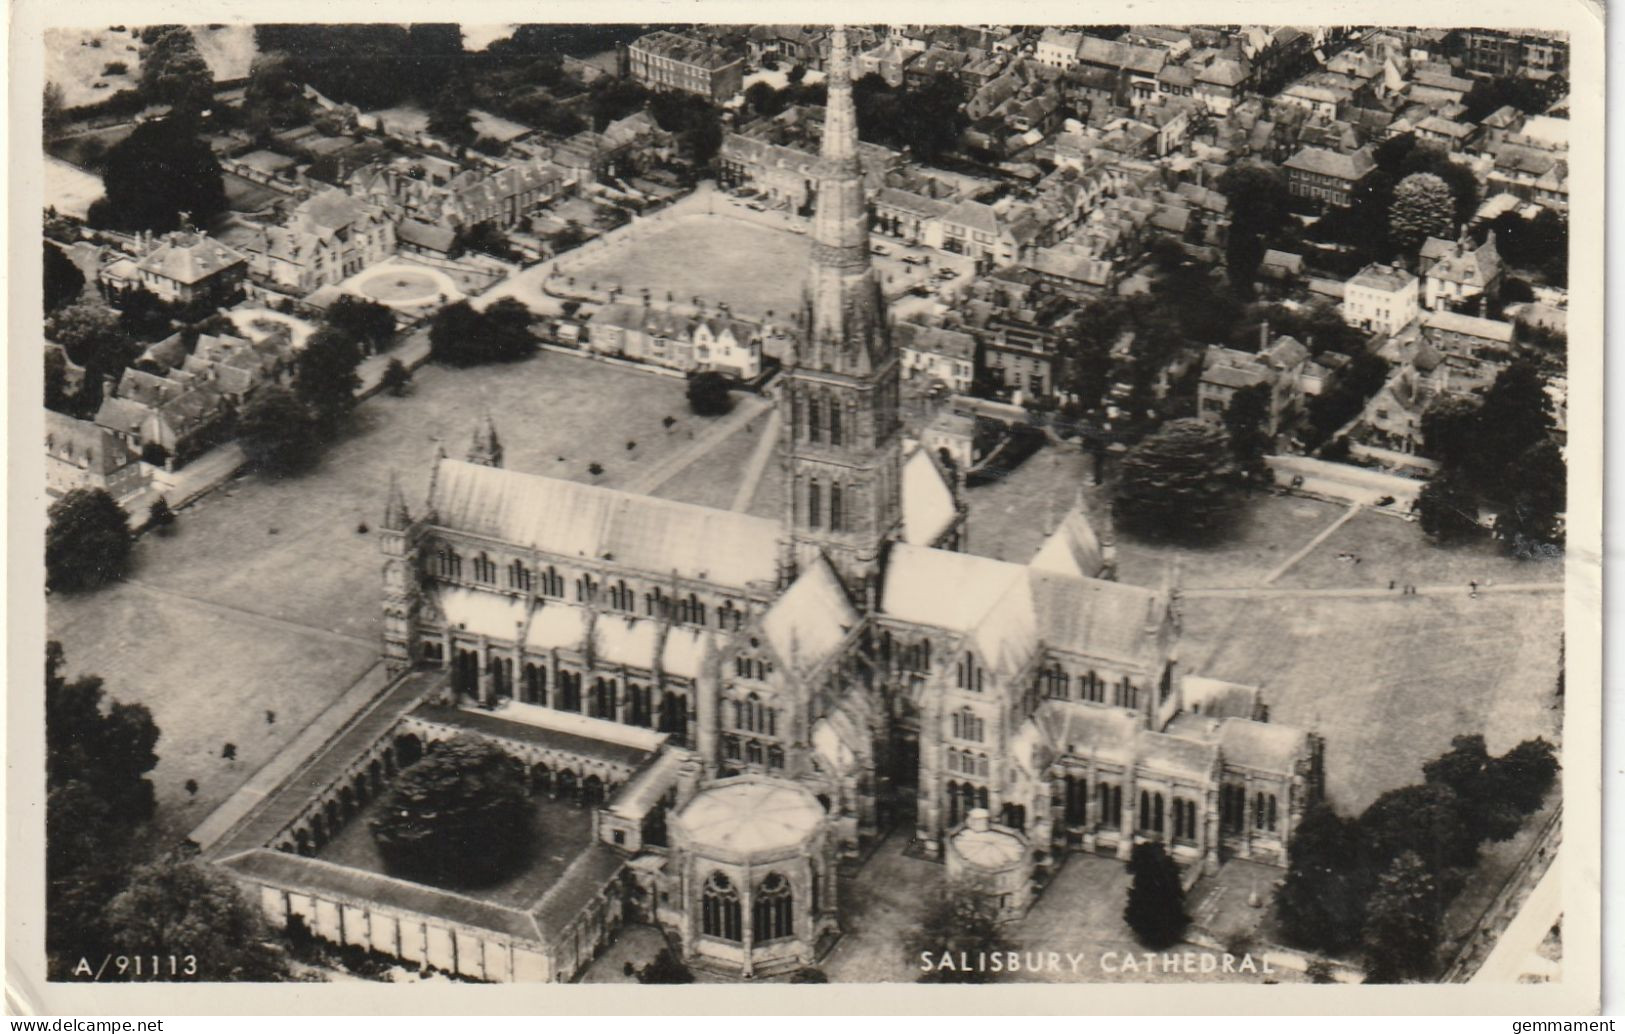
552 584
812 420
953 758
586 589
753 752
639 705
834 421
519 576
451 564
836 516
485 569
720 908
535 683
815 517
772 915
730 747
570 691
775 756
1110 801
1232 808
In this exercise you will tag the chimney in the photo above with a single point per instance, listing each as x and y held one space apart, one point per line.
1264 336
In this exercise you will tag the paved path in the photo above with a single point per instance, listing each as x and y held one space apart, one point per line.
240 614
746 409
1515 952
1314 543
1265 592
758 463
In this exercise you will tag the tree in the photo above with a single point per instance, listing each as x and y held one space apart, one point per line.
108 750
64 281
1156 899
157 172
460 816
54 111
450 117
1247 418
665 968
395 378
434 53
1450 430
1423 207
1469 771
1448 508
1257 196
965 918
1428 819
325 378
57 398
273 98
708 393
506 330
160 516
1177 482
1402 926
173 72
88 541
370 323
1321 903
277 432
179 901
1538 481
1515 416
453 335
1526 773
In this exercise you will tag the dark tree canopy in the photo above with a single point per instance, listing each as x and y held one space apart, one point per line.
461 335
665 968
87 542
325 377
1469 771
1402 927
1516 415
1247 419
1156 899
277 432
1450 430
461 816
109 750
173 72
370 323
1428 819
1177 482
64 281
273 98
708 393
962 917
153 175
181 901
450 116
1321 903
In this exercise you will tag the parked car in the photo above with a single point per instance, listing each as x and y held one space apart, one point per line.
879 249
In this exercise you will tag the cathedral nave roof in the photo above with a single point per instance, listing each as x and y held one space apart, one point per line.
658 536
1095 617
942 588
810 621
1089 730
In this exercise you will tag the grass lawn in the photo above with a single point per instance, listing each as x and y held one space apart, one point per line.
267 595
1268 531
562 830
1010 518
245 195
75 58
1396 550
753 268
70 189
88 149
1387 681
713 479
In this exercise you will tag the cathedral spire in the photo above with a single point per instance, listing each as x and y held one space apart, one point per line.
396 516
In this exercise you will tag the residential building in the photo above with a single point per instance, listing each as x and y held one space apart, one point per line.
669 61
1280 367
661 337
1328 177
327 239
1458 274
936 354
180 268
1381 298
80 454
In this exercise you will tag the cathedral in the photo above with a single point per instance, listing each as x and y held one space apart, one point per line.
806 685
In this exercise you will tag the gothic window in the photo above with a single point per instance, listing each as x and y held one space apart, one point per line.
1057 683
639 705
775 756
1264 811
434 652
981 765
519 576
1077 800
601 700
570 691
968 725
690 610
1092 688
1150 816
812 420
771 913
656 603
621 596
730 747
1232 808
552 584
485 570
834 422
720 908
742 666
953 760
753 752
1014 816
674 715
730 616
586 589
535 683
836 516
1109 798
1184 819
815 517
451 564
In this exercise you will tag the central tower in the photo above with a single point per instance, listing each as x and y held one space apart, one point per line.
841 421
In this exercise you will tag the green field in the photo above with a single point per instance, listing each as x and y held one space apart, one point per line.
267 595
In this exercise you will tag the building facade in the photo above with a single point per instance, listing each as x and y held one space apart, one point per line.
668 61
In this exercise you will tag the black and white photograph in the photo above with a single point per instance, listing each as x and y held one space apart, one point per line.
568 502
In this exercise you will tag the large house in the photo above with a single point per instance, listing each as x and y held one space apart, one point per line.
1381 298
1459 273
328 239
181 268
745 702
1328 177
80 454
1280 367
669 61
661 337
941 354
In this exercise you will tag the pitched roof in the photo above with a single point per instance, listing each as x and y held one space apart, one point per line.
928 503
572 519
84 444
190 258
809 622
1469 326
1071 549
1352 166
1260 745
